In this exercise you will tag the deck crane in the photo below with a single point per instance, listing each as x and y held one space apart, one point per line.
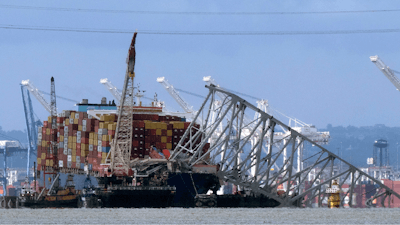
37 93
116 93
171 90
121 146
112 89
386 71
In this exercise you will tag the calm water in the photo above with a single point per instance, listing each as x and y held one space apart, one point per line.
200 216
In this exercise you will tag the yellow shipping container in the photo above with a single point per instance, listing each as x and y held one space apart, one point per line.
102 161
169 146
43 143
74 146
39 161
179 125
91 135
43 155
101 125
150 125
83 153
61 138
47 162
158 131
70 139
73 158
90 141
105 138
47 131
76 121
73 152
95 139
66 122
111 126
103 155
72 116
169 133
73 139
163 139
70 144
51 162
84 147
80 127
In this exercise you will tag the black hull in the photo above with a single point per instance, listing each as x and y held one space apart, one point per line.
50 204
137 198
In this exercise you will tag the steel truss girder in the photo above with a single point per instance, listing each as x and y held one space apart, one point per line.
236 161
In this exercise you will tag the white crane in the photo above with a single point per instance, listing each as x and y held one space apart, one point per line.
37 93
112 89
171 90
386 71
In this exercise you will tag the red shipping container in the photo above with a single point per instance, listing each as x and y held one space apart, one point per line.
99 155
73 165
85 140
169 139
135 143
163 132
96 129
45 124
85 134
105 144
78 152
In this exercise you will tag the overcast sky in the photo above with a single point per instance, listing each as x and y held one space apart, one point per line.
318 78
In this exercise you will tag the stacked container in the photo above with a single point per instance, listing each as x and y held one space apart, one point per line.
83 139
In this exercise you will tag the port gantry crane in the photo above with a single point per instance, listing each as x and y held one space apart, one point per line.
264 182
31 126
121 146
386 71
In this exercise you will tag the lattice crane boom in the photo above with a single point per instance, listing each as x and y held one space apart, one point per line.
386 71
36 92
171 90
111 88
121 145
53 114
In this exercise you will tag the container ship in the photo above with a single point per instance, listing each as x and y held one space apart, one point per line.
127 148
84 141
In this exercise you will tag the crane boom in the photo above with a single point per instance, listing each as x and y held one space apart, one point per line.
171 90
386 71
121 146
111 88
38 95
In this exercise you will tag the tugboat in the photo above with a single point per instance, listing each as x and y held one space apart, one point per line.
54 197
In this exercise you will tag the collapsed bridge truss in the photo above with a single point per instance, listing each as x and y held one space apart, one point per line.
246 152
